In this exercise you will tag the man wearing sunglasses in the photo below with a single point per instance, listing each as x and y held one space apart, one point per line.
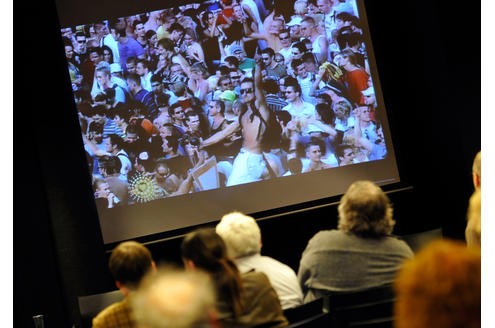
254 162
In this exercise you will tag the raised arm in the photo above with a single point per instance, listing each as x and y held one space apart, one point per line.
258 86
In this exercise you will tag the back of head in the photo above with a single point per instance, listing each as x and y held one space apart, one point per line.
440 287
207 251
365 210
241 234
129 262
175 298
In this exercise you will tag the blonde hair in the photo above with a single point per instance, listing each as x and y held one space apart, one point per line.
477 170
175 298
473 228
365 210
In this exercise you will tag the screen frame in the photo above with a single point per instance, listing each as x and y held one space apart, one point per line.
218 202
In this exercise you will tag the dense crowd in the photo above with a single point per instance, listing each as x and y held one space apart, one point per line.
262 90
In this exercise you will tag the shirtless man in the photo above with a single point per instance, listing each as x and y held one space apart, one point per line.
252 163
313 153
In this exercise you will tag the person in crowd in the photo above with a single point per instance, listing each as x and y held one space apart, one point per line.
142 96
99 115
104 197
318 41
165 178
300 110
197 81
105 81
294 26
355 77
345 154
366 136
129 262
173 298
110 167
191 49
314 155
242 235
252 163
347 259
128 47
114 145
244 300
285 46
130 65
273 69
273 100
343 118
140 33
143 70
440 287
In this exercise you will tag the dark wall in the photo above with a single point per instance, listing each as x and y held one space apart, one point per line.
428 57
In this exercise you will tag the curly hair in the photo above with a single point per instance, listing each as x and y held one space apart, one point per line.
365 210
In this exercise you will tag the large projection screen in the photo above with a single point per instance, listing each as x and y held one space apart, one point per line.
154 206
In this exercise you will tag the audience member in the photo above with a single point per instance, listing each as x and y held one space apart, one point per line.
242 236
244 300
129 263
473 227
440 287
172 298
361 254
476 170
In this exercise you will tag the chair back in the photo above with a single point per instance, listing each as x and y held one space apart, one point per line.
304 311
320 320
370 308
418 240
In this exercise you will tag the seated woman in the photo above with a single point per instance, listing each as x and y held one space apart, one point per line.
361 254
244 300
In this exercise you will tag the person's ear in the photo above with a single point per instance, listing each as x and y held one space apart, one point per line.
189 265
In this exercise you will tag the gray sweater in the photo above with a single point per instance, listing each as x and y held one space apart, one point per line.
335 261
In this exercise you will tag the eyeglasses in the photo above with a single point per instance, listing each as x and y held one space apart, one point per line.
179 112
265 58
81 41
286 38
235 77
243 91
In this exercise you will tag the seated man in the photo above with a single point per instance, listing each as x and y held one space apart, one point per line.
242 236
129 263
361 254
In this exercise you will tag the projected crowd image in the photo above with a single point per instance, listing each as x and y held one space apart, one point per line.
216 94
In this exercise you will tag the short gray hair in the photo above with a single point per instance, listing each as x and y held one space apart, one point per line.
241 234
